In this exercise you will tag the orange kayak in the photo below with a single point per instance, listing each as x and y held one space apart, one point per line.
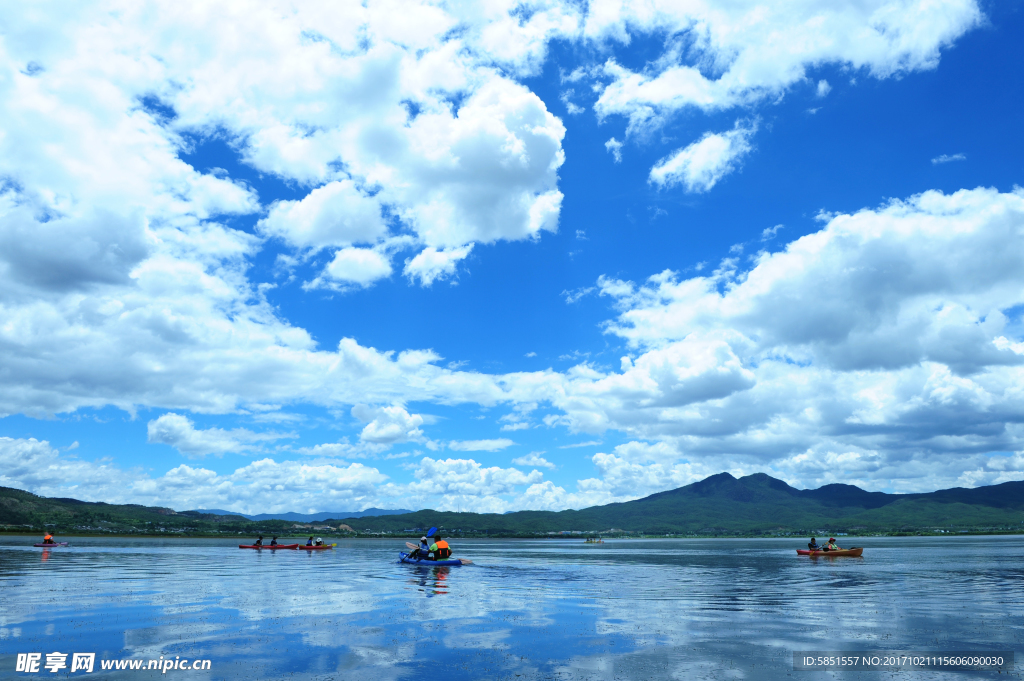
831 554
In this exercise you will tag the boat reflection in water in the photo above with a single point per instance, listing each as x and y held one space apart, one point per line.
432 580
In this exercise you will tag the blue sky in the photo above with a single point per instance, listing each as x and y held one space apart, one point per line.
528 255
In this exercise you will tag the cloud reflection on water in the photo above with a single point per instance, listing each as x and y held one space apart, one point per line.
651 609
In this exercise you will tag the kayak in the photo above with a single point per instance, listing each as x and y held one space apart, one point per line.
50 546
268 546
841 552
404 558
322 547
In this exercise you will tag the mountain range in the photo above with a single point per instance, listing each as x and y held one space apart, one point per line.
307 517
720 505
754 504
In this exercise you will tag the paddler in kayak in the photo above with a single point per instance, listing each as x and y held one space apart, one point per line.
273 541
813 545
48 539
259 541
421 551
831 546
309 542
439 550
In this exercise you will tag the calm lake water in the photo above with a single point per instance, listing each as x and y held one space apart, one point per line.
642 609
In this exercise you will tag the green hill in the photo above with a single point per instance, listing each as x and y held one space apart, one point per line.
720 505
22 511
755 504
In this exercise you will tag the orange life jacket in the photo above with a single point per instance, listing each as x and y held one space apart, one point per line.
441 550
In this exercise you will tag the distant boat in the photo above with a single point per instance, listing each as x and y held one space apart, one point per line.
593 540
831 554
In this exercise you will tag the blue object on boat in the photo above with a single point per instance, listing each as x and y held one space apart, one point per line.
404 558
431 531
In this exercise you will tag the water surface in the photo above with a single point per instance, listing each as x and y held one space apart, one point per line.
628 609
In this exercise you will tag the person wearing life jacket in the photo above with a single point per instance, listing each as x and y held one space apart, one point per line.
309 542
319 541
813 545
48 539
831 546
273 541
259 541
440 550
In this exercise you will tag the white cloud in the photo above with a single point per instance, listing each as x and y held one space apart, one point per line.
350 107
336 214
823 88
432 264
35 466
615 147
480 445
400 134
388 425
863 343
575 295
180 432
533 459
354 266
944 158
751 50
345 450
572 109
464 481
588 443
703 163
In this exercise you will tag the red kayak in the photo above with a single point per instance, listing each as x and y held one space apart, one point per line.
322 547
831 554
268 546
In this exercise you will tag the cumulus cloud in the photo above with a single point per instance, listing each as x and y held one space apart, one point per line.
336 214
180 432
406 139
945 158
354 266
717 58
388 425
345 450
533 459
480 445
862 350
615 147
699 166
379 125
823 88
37 467
397 136
465 481
432 264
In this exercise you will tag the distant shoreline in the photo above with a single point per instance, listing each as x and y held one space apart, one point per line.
573 538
